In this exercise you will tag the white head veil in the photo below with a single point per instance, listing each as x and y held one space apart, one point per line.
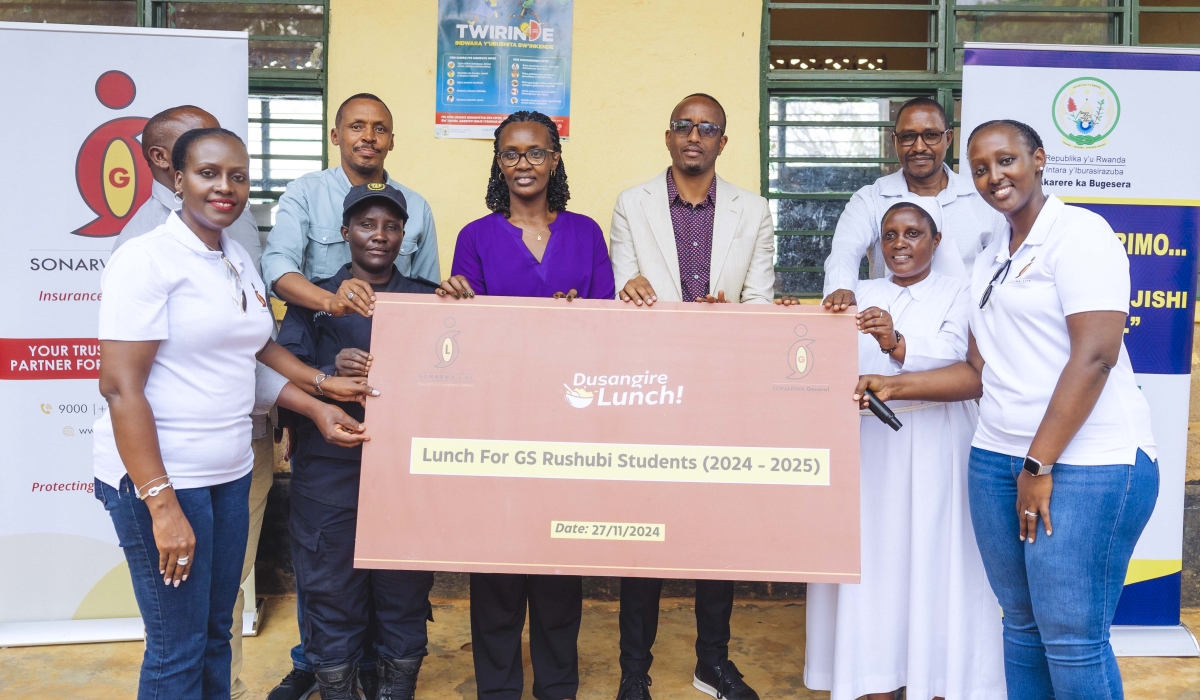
947 260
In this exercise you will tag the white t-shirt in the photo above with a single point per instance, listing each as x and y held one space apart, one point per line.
168 286
1070 263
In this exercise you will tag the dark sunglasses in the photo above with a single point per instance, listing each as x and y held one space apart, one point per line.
987 293
683 127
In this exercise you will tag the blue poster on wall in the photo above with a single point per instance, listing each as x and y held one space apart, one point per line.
496 57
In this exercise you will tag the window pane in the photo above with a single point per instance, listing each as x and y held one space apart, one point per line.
1168 3
1033 27
295 55
850 26
833 141
272 19
802 251
260 19
1049 3
115 13
1168 28
286 136
813 178
807 284
808 214
848 58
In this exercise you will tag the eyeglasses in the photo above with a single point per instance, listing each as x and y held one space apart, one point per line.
909 138
987 293
708 130
235 284
534 156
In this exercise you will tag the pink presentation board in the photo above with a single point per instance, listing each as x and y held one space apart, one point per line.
596 438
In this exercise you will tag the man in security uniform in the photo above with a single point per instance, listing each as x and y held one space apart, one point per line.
340 600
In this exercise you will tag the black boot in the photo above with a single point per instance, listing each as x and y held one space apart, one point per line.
398 678
369 682
339 682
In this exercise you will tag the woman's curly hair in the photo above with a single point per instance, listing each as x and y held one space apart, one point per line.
557 193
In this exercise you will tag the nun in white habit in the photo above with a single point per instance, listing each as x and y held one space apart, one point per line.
923 616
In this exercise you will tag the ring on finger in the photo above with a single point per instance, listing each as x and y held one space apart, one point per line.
1030 514
349 295
182 561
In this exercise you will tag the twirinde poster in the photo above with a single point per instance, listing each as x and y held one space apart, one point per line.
496 57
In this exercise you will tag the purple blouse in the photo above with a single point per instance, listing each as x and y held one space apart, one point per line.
494 259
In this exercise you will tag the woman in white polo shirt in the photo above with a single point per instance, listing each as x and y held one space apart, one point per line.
182 318
1064 443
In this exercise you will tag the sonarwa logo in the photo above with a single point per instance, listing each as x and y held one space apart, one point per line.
622 390
446 348
800 355
112 177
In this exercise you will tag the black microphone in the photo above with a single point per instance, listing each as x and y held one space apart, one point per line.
881 411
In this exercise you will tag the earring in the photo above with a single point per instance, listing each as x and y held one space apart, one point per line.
179 197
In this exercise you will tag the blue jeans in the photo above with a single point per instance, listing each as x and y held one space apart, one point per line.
187 628
1060 593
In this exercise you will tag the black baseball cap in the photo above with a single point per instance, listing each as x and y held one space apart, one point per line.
371 190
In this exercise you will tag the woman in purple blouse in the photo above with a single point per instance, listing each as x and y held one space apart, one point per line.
529 246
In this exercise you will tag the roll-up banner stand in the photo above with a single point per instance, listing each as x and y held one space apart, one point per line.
1109 119
75 102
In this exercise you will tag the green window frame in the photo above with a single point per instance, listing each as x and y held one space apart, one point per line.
789 75
268 82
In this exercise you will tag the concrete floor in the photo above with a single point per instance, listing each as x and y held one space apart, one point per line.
768 648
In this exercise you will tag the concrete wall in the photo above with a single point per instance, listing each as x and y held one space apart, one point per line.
633 61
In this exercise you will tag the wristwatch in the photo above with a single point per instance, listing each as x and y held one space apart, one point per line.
1035 467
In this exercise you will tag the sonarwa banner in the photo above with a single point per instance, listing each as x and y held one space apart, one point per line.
75 102
1104 114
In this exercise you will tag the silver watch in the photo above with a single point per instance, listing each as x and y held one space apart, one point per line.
1035 467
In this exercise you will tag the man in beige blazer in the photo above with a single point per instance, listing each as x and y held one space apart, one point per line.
689 235
646 254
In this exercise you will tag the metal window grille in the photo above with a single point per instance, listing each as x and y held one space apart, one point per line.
834 73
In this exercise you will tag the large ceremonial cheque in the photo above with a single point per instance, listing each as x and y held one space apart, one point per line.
63 200
1107 116
591 437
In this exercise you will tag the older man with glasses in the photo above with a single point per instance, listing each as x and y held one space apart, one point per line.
922 138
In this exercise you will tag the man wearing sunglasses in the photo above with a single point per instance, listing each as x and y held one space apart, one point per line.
688 235
922 137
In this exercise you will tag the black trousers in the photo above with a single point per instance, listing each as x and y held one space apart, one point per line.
339 599
498 603
639 621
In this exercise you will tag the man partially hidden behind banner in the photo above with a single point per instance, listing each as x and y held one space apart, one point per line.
306 244
922 138
689 235
158 138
